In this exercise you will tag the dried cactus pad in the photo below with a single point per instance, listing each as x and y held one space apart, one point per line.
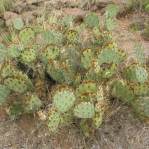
63 99
4 93
141 107
54 120
84 110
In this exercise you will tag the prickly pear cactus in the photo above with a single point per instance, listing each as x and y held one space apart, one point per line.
136 74
87 58
120 90
141 107
63 99
50 53
28 57
19 83
32 103
84 110
54 120
26 36
4 93
83 63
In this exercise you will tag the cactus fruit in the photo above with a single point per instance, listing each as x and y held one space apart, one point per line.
63 99
26 36
28 57
84 110
4 93
54 120
121 91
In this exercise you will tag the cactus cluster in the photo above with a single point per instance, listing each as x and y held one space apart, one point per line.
84 65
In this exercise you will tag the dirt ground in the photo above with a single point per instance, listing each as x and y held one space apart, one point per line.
121 130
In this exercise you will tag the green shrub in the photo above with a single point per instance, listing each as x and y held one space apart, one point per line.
84 73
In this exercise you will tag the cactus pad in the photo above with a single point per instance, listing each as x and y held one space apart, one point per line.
92 20
28 56
88 87
26 36
63 99
18 83
32 103
136 74
54 120
121 91
50 53
4 93
87 58
141 107
84 110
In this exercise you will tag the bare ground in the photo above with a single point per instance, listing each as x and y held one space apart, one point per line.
122 130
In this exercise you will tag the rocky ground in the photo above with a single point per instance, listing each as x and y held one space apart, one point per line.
121 130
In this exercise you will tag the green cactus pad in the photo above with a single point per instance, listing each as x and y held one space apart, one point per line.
14 51
141 107
4 93
26 36
97 120
50 53
109 56
63 99
136 74
7 70
54 120
33 103
141 89
61 72
92 20
121 91
28 56
72 36
88 87
18 83
84 110
15 110
52 37
87 58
